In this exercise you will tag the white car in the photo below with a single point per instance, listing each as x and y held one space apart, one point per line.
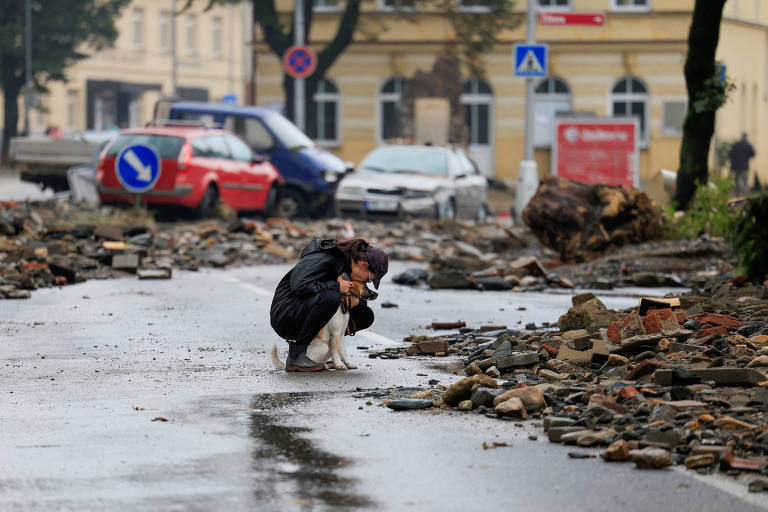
408 180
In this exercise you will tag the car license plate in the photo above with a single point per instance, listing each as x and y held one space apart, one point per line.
381 206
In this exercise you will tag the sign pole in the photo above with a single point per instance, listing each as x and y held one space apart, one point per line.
298 83
528 177
529 111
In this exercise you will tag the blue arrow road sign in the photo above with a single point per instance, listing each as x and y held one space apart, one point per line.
531 60
138 168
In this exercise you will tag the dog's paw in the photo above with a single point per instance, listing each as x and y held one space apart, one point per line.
350 366
340 366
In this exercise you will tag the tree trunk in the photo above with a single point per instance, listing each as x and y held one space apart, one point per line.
699 126
11 116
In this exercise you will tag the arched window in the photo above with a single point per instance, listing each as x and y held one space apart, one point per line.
552 97
629 98
325 129
389 104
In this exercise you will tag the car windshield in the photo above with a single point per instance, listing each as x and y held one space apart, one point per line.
166 147
287 132
431 161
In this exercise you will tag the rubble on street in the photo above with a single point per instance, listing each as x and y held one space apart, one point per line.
56 243
677 380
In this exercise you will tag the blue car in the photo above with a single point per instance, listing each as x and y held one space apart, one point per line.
311 173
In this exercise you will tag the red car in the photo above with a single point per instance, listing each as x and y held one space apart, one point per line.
197 167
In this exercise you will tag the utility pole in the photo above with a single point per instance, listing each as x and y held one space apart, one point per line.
528 177
298 83
174 61
27 63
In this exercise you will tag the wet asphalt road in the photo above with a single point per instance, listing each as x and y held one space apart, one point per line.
87 370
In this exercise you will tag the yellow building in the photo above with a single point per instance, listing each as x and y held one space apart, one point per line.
119 86
631 64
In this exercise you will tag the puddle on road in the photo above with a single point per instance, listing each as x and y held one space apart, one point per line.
296 470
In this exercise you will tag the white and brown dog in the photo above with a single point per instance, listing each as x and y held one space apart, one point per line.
329 342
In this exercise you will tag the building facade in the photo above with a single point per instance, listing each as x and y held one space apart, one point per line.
118 87
630 66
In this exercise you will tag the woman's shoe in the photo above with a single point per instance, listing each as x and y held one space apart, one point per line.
298 361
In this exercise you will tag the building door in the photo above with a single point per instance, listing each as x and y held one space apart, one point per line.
477 99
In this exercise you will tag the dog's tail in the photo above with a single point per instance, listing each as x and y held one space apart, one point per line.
275 360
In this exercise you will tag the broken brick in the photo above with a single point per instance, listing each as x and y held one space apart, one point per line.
646 367
719 320
712 330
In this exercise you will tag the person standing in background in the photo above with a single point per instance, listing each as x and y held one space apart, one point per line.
740 154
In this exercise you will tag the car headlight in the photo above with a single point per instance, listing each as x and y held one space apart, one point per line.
331 176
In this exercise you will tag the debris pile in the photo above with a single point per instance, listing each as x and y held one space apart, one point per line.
581 221
676 380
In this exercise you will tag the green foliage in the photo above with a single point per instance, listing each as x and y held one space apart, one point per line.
721 153
714 93
749 236
707 213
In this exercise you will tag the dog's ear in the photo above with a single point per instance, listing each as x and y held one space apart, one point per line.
356 288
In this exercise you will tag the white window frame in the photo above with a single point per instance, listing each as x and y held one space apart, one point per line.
555 8
164 31
468 99
384 7
615 6
137 28
216 36
473 8
190 29
396 96
629 97
665 131
550 97
327 8
329 97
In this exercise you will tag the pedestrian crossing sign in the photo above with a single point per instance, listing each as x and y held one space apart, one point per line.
531 60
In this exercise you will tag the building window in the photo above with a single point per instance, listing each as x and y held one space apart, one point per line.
629 98
71 110
474 5
673 117
389 103
138 28
555 5
164 26
191 42
326 5
392 5
631 5
552 97
216 36
477 98
325 129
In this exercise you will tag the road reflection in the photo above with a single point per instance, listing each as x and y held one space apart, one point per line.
296 471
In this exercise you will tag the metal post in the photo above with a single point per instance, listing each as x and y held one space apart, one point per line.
298 83
174 61
28 63
528 176
530 120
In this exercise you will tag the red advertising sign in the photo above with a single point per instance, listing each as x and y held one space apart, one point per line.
597 150
572 18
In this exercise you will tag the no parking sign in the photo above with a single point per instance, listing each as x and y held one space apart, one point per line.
299 61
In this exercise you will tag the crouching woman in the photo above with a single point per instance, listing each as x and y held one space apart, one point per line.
311 292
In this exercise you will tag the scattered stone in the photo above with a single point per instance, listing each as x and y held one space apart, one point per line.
406 404
462 390
650 458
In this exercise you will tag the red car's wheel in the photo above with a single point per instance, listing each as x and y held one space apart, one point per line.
207 204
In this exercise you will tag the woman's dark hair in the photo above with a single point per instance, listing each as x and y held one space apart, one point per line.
356 247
